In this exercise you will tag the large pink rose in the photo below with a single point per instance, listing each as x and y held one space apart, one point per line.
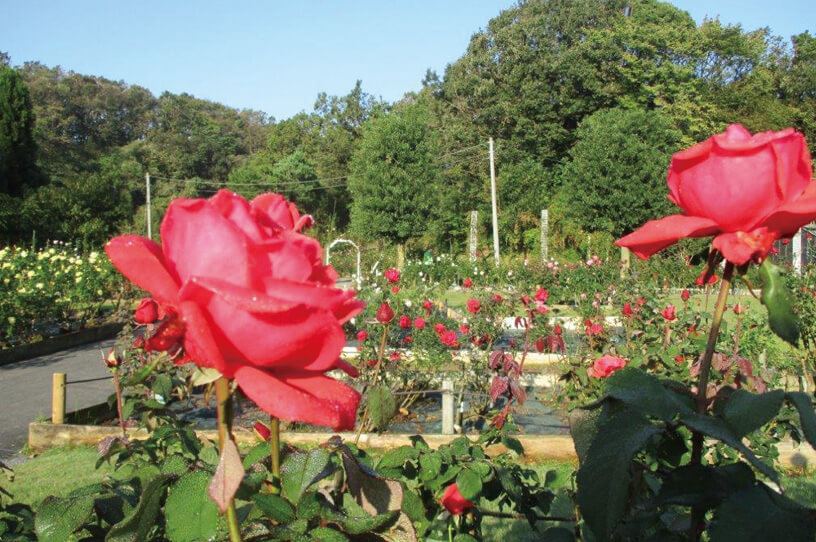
745 190
606 365
244 292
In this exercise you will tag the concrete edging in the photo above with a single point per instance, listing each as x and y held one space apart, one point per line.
42 436
55 344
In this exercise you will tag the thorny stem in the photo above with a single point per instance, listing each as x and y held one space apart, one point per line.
697 513
224 410
376 375
118 387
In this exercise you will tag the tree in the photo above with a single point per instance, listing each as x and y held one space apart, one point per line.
394 176
616 178
17 148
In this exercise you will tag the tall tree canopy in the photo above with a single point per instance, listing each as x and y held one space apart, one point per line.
17 147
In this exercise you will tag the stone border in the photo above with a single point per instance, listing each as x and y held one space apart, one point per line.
42 436
57 343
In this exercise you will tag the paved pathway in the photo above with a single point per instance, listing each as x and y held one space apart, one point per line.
25 389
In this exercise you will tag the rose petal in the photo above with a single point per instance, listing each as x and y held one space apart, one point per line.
739 248
199 344
342 303
275 211
304 337
142 262
199 241
244 298
789 217
656 235
236 209
314 399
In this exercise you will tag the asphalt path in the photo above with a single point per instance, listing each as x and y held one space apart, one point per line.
25 389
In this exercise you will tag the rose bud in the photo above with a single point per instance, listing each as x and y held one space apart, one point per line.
112 360
362 335
627 310
473 306
439 328
496 298
739 308
454 502
467 283
405 322
541 295
261 431
669 313
685 294
419 323
395 289
147 312
385 314
557 329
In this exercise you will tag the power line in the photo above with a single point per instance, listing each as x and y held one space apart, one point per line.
267 184
324 187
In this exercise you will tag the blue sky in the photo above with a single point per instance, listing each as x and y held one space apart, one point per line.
277 56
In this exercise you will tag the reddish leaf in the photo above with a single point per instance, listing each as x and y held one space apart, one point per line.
496 359
227 477
518 392
498 387
540 345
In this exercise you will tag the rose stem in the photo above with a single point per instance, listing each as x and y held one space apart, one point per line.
697 513
118 387
274 453
223 402
373 381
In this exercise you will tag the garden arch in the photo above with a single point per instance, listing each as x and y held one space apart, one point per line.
352 243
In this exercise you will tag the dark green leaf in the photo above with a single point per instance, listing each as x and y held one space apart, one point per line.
470 484
259 452
138 524
397 457
557 534
513 444
190 514
430 465
310 505
375 494
361 524
460 446
162 387
643 391
584 424
275 507
777 299
604 476
174 464
718 429
746 412
758 515
381 406
807 416
325 534
300 470
464 537
705 486
413 507
57 518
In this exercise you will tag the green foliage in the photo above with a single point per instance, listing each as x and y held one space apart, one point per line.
394 176
615 179
17 147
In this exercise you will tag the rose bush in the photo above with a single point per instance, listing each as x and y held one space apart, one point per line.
746 190
244 292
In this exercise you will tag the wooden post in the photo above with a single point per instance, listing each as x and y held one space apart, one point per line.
58 398
448 412
545 233
625 261
796 252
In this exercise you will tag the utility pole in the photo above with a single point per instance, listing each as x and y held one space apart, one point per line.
493 203
147 210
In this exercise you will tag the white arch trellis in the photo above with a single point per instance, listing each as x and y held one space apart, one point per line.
352 243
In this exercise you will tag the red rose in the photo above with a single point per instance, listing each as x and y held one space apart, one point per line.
640 301
496 298
439 328
542 309
454 502
147 312
419 323
679 358
542 295
557 329
246 293
594 329
385 313
606 365
745 190
392 275
464 330
685 294
405 322
394 356
362 335
408 339
525 300
467 283
627 310
669 313
395 289
705 278
448 338
427 305
473 306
